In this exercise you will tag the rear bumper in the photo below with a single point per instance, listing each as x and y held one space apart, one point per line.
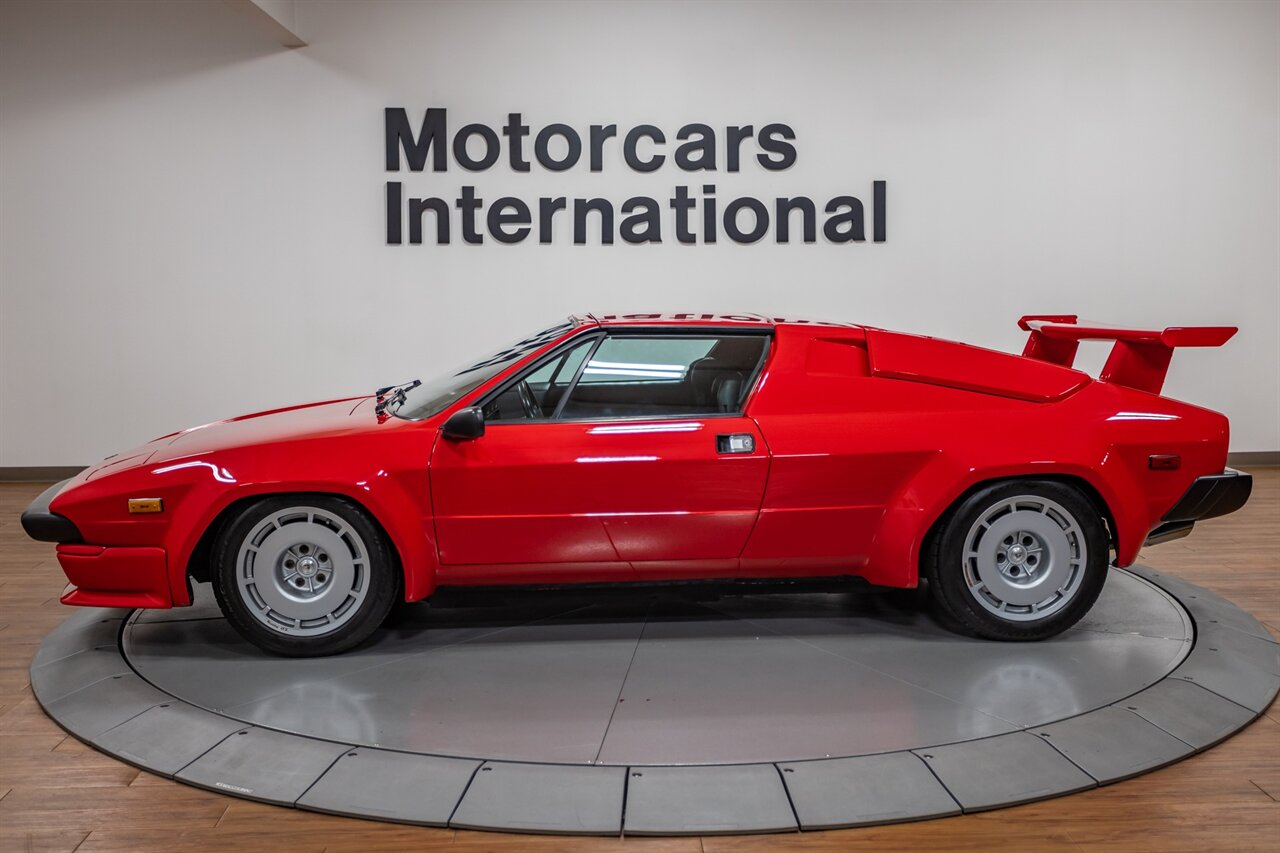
115 577
1208 497
45 526
1212 496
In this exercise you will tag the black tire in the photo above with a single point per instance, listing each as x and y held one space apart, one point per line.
361 584
982 576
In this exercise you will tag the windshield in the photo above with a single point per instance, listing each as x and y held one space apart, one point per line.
433 396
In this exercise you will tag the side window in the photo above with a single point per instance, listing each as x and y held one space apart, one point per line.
535 395
650 375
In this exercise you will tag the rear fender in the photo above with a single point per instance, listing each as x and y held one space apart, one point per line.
938 486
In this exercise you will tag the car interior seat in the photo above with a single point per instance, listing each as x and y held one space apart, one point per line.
719 379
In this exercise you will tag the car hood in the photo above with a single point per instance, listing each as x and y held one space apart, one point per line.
309 420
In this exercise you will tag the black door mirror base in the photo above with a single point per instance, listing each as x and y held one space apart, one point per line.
464 424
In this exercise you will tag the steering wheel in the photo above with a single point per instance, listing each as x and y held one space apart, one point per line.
528 401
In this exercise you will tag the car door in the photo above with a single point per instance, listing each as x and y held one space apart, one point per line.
640 464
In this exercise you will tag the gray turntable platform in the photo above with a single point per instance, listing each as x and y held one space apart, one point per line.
659 714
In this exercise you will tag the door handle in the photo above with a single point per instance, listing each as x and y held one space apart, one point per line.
738 442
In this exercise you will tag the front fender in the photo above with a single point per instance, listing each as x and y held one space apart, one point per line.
388 478
385 498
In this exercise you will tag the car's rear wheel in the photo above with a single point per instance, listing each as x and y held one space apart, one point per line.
304 576
1019 560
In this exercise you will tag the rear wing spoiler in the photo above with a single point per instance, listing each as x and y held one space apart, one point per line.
1140 357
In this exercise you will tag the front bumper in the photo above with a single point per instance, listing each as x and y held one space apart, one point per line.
115 577
45 526
100 576
1208 497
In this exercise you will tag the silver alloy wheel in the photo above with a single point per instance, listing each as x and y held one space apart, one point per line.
302 571
1025 558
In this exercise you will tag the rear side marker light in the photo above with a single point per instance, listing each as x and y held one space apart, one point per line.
1164 462
137 505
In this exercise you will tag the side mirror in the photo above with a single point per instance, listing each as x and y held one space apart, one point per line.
464 424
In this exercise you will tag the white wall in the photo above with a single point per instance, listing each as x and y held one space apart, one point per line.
191 217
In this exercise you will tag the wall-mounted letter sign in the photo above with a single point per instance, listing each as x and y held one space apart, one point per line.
686 215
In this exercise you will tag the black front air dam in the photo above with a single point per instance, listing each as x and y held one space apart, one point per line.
45 526
1208 497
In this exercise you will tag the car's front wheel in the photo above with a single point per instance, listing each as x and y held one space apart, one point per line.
1019 560
304 576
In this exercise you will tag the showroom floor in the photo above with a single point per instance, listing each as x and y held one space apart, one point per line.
57 794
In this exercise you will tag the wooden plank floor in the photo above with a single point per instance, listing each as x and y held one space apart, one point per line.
57 794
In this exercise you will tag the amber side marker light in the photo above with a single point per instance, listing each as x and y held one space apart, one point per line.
1165 462
146 505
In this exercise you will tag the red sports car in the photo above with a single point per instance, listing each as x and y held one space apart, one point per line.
668 447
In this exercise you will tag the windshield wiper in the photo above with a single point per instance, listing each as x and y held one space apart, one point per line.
390 394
